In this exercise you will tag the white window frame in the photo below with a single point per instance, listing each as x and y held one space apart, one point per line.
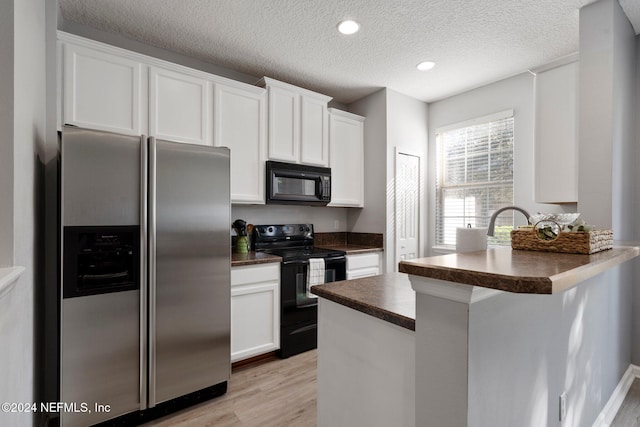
439 188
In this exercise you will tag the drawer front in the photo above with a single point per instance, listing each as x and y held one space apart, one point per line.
255 274
363 272
362 261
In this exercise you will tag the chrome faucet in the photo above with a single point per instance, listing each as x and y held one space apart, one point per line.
492 221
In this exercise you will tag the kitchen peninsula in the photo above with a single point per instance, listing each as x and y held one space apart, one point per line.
499 336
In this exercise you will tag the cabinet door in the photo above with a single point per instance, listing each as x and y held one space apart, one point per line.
284 124
179 107
102 91
363 265
556 144
314 136
346 159
240 125
255 310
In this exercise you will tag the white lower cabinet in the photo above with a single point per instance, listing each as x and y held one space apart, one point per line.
255 310
363 265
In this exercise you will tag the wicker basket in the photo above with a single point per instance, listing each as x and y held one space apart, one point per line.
573 243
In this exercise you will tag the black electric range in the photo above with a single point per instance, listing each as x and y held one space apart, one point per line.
298 308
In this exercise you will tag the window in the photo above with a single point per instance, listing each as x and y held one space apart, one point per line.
474 176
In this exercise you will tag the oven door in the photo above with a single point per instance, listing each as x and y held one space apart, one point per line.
298 309
294 293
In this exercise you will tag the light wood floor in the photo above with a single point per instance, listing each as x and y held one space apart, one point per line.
274 393
629 413
283 393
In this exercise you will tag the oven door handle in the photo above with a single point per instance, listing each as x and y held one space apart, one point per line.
295 261
336 258
306 261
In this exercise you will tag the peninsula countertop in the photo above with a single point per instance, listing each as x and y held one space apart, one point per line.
518 271
388 297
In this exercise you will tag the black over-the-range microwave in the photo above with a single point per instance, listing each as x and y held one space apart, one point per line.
293 184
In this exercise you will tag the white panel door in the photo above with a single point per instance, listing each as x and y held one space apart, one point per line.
314 125
180 107
255 310
240 124
252 320
346 153
284 124
407 207
102 91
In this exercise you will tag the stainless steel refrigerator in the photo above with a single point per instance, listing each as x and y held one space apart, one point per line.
145 294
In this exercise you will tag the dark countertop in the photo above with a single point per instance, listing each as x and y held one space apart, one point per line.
252 258
388 297
353 249
518 271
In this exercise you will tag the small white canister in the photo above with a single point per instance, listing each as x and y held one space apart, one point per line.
470 239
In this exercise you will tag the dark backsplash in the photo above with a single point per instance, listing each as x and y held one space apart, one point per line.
344 238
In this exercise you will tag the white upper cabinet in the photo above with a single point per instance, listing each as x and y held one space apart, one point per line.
103 91
180 107
556 145
314 131
298 124
240 124
346 153
284 124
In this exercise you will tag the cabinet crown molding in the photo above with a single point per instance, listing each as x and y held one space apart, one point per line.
151 61
345 114
268 81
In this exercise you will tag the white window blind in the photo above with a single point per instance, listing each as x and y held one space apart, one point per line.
474 176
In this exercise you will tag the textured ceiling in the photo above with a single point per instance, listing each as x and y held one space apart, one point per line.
473 42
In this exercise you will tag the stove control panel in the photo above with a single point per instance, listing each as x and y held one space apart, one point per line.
267 236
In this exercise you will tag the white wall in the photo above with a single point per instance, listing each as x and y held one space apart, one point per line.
606 105
372 218
635 199
515 93
407 131
393 121
6 132
609 147
576 342
17 311
323 218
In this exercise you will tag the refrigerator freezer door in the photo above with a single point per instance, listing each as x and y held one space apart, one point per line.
100 334
189 219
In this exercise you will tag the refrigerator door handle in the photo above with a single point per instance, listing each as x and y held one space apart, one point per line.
151 206
144 286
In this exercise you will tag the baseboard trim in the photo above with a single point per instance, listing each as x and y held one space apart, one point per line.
612 407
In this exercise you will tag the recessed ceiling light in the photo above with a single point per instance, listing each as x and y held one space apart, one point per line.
426 65
348 27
